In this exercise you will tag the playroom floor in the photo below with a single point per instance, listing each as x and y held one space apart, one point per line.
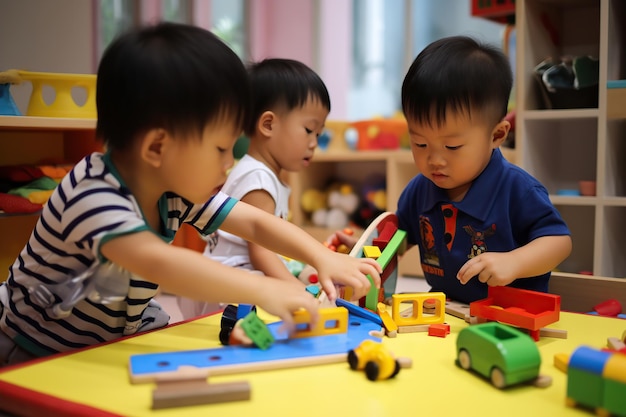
404 284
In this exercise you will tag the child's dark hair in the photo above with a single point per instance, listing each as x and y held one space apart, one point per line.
171 76
282 84
457 74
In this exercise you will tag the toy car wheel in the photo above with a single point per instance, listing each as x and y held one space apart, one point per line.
497 378
353 360
464 359
372 371
395 371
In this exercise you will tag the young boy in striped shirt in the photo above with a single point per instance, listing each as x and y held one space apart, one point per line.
171 99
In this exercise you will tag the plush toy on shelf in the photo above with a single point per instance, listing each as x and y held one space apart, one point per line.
331 208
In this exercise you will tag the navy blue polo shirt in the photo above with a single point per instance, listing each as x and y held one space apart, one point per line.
505 208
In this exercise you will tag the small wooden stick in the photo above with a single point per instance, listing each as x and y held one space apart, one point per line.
189 386
177 394
557 333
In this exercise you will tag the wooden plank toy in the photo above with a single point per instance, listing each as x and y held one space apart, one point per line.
284 353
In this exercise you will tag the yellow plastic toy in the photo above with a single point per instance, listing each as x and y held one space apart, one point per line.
417 314
64 86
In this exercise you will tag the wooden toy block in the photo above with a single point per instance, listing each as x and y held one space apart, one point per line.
556 333
385 235
257 331
332 321
390 326
527 309
359 311
371 252
457 309
414 328
189 386
561 361
439 330
417 314
596 379
615 344
390 252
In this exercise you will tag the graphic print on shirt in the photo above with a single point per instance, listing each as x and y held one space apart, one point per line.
478 239
430 260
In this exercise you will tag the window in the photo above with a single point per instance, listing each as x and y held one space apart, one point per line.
224 17
388 35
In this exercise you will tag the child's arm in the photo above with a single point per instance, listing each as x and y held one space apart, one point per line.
501 268
190 274
263 259
289 240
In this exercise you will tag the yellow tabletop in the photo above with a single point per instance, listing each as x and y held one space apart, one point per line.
96 381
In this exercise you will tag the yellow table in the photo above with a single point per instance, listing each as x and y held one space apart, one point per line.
95 382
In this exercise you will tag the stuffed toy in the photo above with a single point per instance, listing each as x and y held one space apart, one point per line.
332 208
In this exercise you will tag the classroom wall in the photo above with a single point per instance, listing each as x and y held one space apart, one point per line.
45 36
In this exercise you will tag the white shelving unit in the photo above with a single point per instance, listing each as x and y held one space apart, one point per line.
564 146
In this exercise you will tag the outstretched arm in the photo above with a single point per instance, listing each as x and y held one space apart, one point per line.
285 238
190 274
501 268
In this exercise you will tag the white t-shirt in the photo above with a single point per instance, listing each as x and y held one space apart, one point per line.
248 175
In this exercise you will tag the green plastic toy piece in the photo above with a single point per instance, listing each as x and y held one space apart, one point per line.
257 331
499 352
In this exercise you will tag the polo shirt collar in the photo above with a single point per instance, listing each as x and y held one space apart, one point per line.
480 197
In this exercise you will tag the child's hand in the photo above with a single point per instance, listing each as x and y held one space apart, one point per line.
341 241
492 268
282 298
338 268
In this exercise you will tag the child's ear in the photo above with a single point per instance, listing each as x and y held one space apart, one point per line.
152 146
266 122
500 133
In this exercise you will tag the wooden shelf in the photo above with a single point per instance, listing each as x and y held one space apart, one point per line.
45 123
562 147
29 140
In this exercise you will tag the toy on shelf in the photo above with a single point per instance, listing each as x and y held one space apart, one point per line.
527 309
609 308
74 94
501 353
376 360
596 379
373 201
7 105
381 133
331 208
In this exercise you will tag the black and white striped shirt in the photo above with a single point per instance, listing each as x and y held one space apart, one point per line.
89 207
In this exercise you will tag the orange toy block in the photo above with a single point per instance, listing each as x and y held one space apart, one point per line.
439 330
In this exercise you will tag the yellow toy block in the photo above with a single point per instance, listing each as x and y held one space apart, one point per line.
332 320
388 322
417 315
371 252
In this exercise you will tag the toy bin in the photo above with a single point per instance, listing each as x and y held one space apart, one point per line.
63 104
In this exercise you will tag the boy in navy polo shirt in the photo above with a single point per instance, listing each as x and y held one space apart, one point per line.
477 219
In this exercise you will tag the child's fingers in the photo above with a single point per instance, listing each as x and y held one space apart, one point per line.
329 288
469 270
